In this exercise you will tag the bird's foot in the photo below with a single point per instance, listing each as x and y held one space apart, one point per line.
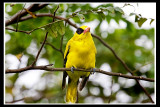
93 70
72 69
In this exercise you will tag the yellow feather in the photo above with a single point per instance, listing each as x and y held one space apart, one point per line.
82 53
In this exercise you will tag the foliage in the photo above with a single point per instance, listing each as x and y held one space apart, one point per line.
130 43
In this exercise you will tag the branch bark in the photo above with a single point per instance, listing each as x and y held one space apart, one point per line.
40 50
11 21
18 15
76 69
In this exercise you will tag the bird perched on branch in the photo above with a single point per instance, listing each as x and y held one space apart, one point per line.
80 52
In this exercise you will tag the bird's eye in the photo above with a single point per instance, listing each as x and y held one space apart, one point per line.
79 30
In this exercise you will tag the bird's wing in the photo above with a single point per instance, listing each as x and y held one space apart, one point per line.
64 79
65 60
83 83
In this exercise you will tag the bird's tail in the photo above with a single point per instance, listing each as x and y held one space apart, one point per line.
72 93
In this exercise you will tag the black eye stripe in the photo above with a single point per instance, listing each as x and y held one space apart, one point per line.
79 30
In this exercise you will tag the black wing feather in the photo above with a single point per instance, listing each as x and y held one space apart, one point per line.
64 72
83 82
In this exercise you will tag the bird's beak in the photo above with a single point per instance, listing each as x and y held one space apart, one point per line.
86 30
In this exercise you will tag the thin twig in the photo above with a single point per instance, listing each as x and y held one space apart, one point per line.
42 26
14 101
61 50
43 42
27 32
18 17
40 50
52 46
55 13
141 67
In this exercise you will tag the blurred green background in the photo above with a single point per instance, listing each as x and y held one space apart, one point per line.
133 44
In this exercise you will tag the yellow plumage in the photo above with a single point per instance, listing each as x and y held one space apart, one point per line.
80 53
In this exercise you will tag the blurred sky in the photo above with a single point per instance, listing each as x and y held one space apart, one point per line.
147 10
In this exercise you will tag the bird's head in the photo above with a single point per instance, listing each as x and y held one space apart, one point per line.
82 33
83 30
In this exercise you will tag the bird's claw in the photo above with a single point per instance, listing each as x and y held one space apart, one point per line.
72 69
93 70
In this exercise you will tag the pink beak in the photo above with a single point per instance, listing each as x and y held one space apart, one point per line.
86 30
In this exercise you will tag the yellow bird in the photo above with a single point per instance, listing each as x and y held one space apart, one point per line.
80 53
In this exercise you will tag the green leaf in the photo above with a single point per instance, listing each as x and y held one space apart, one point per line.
141 21
14 77
60 27
151 21
136 18
119 10
111 9
93 10
132 14
81 16
51 30
102 15
84 12
73 14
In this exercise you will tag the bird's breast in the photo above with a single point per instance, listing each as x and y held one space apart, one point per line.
81 55
82 48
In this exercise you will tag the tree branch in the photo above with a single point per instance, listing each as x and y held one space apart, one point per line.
40 50
40 15
124 65
18 15
44 40
16 30
76 69
55 13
